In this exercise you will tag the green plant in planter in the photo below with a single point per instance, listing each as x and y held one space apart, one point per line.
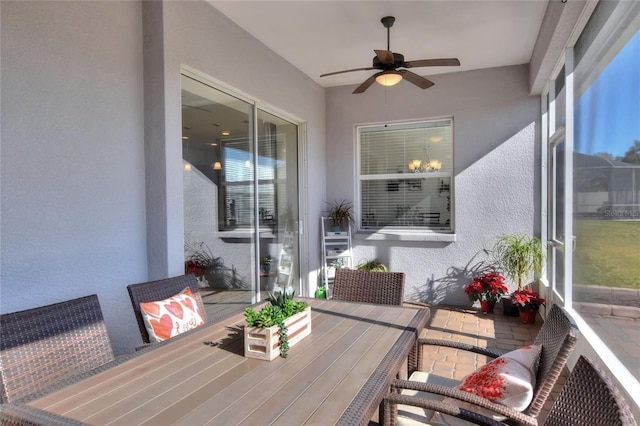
266 263
373 265
521 258
340 212
282 307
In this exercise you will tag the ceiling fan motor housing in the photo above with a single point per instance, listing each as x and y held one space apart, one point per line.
398 61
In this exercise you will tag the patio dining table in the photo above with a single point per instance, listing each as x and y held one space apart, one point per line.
336 375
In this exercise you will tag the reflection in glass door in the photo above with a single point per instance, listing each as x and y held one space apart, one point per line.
277 183
557 231
240 198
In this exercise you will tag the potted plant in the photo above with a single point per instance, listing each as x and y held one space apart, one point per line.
488 289
335 264
265 263
321 292
373 265
528 303
521 258
267 332
340 212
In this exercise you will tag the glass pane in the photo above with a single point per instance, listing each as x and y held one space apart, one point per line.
606 190
415 203
405 175
406 148
278 202
218 195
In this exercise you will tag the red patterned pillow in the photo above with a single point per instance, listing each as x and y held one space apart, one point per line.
168 318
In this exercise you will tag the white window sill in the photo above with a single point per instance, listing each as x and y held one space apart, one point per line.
399 235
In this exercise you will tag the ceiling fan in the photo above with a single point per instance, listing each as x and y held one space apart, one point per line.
389 62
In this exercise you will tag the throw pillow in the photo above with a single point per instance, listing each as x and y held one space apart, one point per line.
168 318
508 380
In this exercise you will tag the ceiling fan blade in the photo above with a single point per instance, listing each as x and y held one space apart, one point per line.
385 57
444 62
340 72
416 79
367 83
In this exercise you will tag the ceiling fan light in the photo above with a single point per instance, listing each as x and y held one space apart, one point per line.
389 78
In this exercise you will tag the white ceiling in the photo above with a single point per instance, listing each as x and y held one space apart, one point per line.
324 36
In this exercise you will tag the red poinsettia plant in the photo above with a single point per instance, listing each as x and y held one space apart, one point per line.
193 267
527 300
487 287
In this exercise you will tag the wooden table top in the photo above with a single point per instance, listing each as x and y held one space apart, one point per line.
336 375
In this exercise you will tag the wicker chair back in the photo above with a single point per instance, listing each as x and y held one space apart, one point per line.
44 346
589 397
159 290
558 336
383 288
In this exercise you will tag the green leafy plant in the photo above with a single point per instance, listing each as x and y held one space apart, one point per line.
373 265
266 260
520 256
337 263
281 307
340 212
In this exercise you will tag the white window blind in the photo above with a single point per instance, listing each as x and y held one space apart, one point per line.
405 175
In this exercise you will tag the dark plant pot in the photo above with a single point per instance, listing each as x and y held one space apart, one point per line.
266 268
528 317
486 306
336 228
508 308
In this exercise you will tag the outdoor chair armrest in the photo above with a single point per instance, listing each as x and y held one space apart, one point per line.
16 414
465 397
391 401
459 345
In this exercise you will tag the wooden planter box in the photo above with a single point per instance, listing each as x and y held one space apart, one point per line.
264 343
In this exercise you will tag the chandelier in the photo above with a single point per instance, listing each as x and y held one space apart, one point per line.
426 165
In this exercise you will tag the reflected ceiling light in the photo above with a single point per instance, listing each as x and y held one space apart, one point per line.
426 165
226 133
217 166
389 78
185 137
435 139
187 167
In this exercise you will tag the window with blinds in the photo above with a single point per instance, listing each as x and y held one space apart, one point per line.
405 175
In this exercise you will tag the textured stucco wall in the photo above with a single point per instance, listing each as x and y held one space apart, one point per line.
91 166
73 192
496 169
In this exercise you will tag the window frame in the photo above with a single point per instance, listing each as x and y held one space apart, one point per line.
407 232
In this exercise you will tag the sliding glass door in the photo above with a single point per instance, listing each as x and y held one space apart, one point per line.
240 197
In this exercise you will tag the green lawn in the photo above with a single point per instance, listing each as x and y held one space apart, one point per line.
607 253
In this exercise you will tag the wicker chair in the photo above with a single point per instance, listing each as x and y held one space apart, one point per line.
16 414
383 288
42 347
159 290
589 397
558 337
